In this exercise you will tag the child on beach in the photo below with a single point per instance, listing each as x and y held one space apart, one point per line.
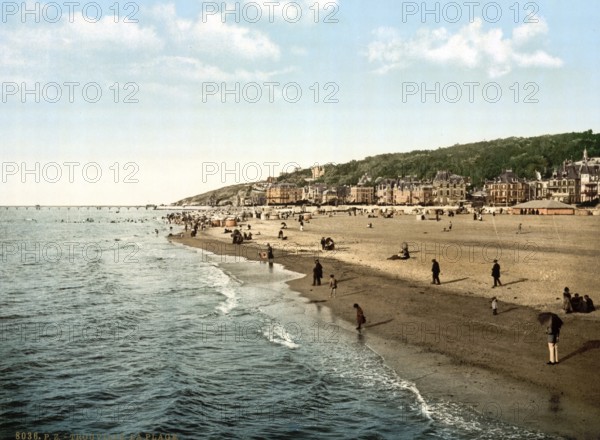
494 306
332 286
360 316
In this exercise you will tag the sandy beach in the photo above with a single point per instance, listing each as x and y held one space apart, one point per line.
445 338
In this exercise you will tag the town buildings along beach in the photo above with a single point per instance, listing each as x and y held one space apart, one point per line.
571 183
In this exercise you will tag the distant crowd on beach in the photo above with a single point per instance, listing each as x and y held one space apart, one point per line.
229 218
195 222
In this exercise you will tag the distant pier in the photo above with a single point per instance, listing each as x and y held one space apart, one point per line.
79 207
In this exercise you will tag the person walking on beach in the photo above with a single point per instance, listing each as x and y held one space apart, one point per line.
360 317
520 228
435 272
317 273
496 274
494 306
553 332
332 286
270 255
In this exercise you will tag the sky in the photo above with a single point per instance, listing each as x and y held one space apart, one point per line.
135 103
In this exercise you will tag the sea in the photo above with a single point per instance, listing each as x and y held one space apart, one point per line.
109 331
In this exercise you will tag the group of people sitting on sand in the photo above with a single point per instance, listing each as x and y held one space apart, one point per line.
238 237
576 303
327 244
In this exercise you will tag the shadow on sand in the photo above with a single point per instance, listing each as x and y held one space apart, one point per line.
455 281
508 310
587 346
378 323
521 280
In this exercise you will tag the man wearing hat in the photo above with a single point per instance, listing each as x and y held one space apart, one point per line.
496 274
317 273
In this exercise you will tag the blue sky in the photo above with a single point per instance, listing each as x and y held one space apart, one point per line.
366 78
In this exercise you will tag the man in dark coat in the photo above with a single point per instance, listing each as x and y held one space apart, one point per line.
435 271
317 273
270 255
496 274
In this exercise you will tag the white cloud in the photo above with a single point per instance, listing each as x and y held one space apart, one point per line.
81 35
538 58
107 33
211 35
243 41
528 31
166 46
471 47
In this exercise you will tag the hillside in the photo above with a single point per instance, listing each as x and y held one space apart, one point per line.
227 195
478 161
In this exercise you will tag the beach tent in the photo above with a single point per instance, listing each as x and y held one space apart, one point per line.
543 207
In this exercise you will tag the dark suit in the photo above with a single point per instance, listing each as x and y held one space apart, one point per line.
435 271
317 274
496 274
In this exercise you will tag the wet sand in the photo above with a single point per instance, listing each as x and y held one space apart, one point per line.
445 338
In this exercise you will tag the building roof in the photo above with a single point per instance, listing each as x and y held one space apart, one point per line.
508 176
543 204
589 168
567 171
447 176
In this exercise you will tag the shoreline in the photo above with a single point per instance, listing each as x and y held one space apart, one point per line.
496 369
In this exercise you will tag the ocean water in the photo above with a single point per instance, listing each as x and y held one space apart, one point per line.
108 329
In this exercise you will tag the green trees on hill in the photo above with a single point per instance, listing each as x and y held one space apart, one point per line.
479 160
